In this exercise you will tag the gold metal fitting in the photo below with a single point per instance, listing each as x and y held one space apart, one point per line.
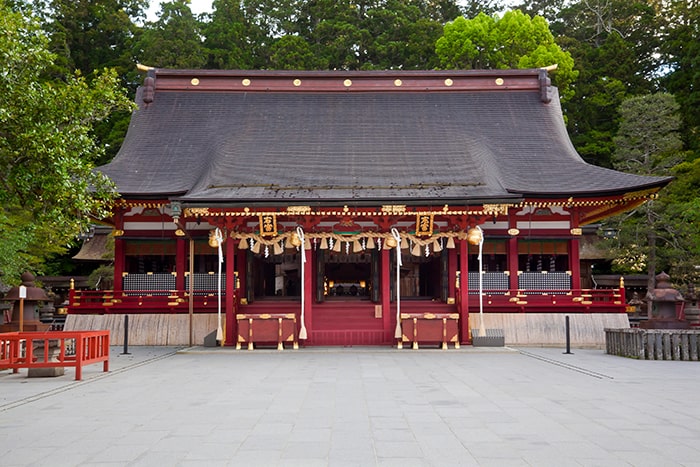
475 236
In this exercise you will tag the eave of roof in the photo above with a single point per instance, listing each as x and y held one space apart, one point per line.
348 81
96 248
266 137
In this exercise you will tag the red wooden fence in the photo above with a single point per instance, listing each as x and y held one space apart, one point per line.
495 301
75 349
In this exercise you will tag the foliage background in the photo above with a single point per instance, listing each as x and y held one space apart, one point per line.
610 53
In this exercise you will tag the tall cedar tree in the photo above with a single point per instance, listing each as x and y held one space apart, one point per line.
89 35
614 44
48 189
174 40
681 56
648 143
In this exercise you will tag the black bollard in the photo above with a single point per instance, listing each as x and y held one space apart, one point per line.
126 335
568 336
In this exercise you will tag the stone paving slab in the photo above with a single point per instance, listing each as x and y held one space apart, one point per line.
355 407
16 388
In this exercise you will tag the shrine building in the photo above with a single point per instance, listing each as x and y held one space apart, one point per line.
352 208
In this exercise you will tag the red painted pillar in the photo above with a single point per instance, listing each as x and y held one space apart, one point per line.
575 263
385 295
452 273
574 254
513 262
465 338
119 262
242 273
230 303
180 263
119 251
512 254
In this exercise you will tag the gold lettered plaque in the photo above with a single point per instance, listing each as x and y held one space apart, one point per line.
268 225
424 225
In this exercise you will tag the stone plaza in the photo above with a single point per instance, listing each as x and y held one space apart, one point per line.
359 406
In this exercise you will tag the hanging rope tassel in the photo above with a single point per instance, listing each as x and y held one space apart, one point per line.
219 239
300 233
482 330
398 333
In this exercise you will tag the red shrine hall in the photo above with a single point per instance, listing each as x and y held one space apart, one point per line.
353 208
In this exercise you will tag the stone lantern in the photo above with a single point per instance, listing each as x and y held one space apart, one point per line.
27 306
665 301
34 295
692 306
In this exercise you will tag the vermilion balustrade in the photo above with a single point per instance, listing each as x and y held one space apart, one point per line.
75 349
495 301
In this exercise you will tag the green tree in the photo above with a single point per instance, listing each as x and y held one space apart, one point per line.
174 41
648 140
648 143
49 191
294 53
603 84
376 34
471 8
274 18
548 9
614 44
334 31
681 56
680 216
514 40
468 43
638 23
403 35
232 40
89 35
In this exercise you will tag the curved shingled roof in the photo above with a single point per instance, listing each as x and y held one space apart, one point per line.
202 136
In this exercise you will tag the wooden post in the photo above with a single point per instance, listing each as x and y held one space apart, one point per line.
385 296
71 292
241 262
21 314
191 292
452 272
230 302
119 252
623 294
574 255
180 263
512 253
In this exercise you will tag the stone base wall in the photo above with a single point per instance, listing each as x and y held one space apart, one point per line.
587 330
149 329
519 329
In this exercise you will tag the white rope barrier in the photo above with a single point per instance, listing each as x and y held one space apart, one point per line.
300 233
219 240
397 237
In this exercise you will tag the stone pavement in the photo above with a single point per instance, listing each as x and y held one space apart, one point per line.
356 407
